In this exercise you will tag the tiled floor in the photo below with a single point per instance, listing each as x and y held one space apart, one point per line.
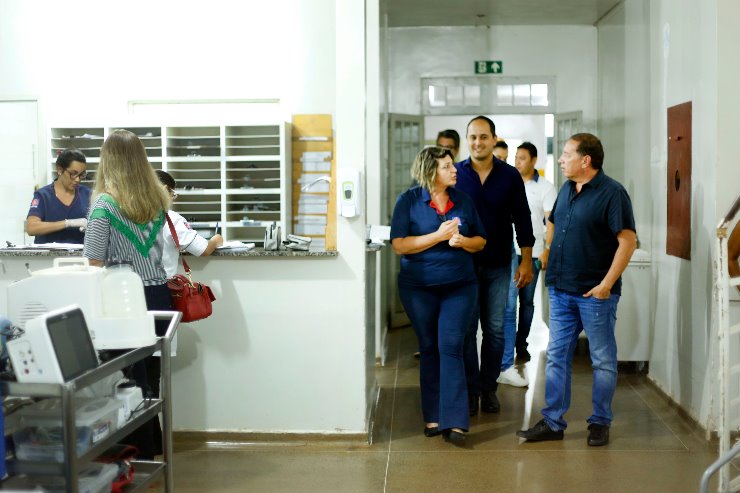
652 449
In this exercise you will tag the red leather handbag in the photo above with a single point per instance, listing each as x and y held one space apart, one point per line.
193 299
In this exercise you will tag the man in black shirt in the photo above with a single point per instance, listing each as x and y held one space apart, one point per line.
591 234
497 189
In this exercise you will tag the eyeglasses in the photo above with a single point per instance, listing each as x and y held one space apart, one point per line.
73 175
173 194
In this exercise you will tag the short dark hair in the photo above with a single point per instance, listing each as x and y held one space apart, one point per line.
450 134
590 145
501 144
166 179
65 158
528 146
485 119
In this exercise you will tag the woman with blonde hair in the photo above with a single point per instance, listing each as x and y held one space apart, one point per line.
436 229
128 213
125 225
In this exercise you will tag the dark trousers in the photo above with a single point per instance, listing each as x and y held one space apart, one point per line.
494 285
148 437
440 316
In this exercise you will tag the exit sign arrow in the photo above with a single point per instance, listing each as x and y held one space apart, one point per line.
489 67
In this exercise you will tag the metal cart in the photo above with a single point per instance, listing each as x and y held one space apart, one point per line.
146 471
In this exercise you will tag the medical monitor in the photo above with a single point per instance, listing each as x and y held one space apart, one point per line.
55 348
72 343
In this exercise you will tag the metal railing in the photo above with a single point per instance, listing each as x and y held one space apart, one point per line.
721 295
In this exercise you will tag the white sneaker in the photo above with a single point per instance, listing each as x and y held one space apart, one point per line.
511 376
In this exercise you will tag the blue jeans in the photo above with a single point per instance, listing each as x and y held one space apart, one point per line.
440 316
570 313
513 336
493 284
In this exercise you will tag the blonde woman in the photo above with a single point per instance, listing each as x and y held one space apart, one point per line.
125 225
436 229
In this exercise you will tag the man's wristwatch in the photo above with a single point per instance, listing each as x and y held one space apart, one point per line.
547 247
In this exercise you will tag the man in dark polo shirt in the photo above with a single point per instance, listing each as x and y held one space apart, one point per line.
497 190
591 235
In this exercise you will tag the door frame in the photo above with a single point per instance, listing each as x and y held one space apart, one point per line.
39 166
396 314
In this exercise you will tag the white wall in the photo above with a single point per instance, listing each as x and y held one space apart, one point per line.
683 327
306 322
624 104
88 61
567 52
688 64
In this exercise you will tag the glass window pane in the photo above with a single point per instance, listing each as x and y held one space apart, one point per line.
414 137
539 95
454 96
406 153
472 95
503 95
521 95
549 125
437 96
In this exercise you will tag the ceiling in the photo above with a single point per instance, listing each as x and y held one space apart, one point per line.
409 13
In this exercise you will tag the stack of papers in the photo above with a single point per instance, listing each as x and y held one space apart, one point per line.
235 245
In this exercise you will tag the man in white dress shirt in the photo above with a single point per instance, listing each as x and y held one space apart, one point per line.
541 196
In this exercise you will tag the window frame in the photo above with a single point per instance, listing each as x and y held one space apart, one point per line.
488 100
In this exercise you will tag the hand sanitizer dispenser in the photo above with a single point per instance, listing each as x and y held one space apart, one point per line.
348 189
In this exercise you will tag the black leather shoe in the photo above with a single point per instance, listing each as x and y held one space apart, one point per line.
540 433
454 437
489 402
598 435
473 404
432 431
523 355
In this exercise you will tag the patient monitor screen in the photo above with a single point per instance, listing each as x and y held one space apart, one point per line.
72 343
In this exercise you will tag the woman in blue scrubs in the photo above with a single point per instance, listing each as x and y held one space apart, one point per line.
436 229
58 212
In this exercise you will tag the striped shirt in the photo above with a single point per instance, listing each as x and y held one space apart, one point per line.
111 236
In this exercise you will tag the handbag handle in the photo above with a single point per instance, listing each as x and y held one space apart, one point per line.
177 244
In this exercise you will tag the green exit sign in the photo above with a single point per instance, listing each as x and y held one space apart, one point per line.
489 67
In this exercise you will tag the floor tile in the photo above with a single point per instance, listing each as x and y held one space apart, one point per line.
652 448
288 470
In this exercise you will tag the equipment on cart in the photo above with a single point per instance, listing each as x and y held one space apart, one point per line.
55 348
111 298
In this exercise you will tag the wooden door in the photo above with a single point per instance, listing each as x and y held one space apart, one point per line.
678 240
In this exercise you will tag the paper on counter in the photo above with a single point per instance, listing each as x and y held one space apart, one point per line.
49 246
235 245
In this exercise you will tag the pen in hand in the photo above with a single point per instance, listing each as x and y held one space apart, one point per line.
216 231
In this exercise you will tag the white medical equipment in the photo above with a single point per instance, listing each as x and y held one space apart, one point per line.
112 300
55 347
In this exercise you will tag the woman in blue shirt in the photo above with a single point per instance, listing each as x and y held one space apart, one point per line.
58 212
436 229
